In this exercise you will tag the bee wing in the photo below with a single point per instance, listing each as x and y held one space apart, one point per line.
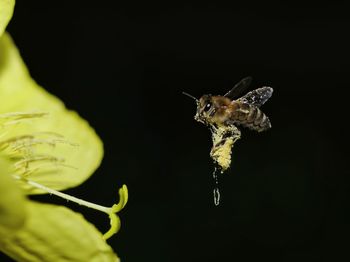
237 90
257 97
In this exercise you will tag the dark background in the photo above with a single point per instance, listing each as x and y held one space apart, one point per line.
123 67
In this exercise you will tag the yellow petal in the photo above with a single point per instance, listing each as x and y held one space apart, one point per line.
6 11
71 150
12 203
54 233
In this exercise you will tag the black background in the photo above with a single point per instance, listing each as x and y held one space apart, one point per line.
123 67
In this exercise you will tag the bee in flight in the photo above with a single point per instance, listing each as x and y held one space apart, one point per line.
222 114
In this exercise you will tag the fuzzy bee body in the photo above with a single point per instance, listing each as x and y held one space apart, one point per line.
245 111
224 113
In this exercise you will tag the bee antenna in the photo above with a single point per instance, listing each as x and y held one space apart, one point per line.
191 96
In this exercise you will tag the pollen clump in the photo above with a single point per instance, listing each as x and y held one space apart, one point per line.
223 139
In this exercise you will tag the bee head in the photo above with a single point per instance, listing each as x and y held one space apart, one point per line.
205 108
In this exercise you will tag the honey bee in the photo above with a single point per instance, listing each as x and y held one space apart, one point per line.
222 114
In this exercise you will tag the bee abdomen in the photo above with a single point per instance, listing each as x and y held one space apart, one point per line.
255 119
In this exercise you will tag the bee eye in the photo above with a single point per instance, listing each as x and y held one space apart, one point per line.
207 106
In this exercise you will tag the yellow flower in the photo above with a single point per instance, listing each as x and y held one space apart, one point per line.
44 148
